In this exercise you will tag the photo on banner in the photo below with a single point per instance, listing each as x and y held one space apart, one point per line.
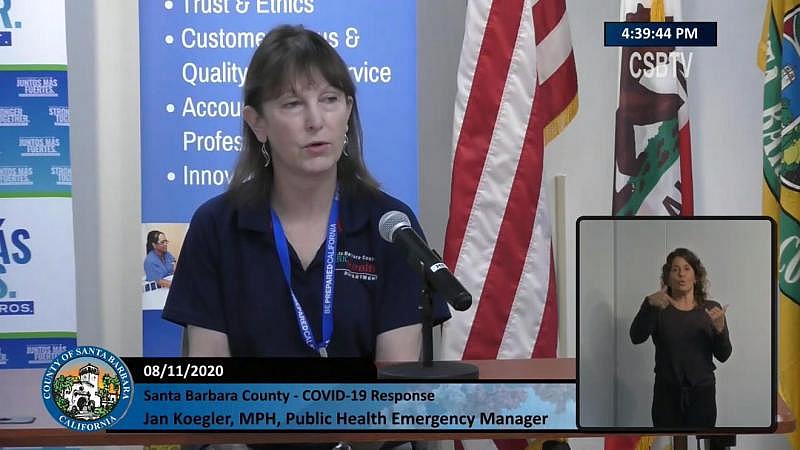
161 338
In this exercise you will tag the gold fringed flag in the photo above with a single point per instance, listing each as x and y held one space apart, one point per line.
779 60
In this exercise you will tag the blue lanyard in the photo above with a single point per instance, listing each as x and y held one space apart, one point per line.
328 280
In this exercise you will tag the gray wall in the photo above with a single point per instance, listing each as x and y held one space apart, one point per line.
597 362
440 29
737 258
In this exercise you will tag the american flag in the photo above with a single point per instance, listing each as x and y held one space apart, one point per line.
517 89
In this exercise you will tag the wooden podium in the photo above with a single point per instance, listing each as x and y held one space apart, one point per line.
44 431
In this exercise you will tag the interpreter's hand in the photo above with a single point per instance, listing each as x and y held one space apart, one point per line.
717 316
659 299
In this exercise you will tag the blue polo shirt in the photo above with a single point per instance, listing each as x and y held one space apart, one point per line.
155 269
229 279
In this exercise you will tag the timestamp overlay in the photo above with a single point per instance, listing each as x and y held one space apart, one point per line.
233 394
660 34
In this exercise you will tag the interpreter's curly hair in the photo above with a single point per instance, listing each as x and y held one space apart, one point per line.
700 279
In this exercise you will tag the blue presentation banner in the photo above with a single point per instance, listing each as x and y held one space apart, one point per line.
194 57
342 406
160 338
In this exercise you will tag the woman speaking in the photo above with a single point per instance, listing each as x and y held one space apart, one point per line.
687 329
289 262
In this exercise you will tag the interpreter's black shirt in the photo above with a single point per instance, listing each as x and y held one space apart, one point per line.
685 342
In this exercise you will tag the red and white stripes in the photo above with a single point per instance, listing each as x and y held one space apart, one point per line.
517 89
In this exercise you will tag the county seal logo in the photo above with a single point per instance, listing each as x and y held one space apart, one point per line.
87 388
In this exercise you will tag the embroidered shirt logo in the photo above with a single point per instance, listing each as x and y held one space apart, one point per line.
358 267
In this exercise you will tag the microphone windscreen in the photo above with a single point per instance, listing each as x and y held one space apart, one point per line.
390 222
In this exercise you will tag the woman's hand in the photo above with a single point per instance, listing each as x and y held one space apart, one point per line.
400 344
659 299
199 341
717 316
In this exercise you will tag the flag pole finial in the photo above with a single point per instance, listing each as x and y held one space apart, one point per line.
657 13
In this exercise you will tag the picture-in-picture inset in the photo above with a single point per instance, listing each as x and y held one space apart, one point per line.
676 323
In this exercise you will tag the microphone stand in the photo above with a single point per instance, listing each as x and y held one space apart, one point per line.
427 368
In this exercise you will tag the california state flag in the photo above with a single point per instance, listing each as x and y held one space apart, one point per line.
652 144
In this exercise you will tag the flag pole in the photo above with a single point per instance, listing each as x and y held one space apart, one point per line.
561 263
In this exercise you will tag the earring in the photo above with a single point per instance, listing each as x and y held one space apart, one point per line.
344 147
267 158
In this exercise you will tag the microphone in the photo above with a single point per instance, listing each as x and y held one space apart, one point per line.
395 227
